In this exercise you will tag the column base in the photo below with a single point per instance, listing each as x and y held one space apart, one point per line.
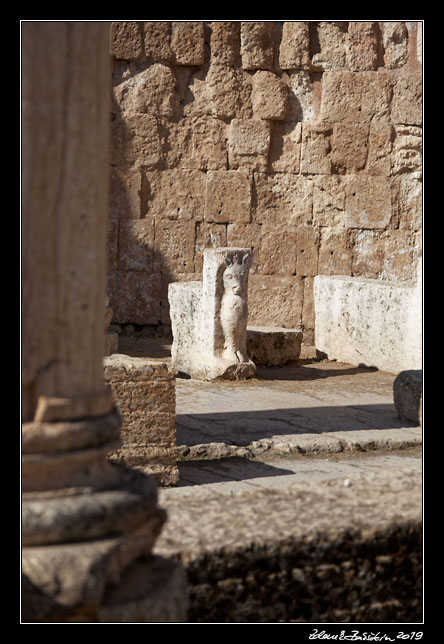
88 529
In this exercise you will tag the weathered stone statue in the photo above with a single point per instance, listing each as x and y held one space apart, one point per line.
209 318
234 307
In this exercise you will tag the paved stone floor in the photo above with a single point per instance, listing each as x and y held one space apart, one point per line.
316 407
321 409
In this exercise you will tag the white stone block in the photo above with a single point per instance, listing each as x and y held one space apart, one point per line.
371 322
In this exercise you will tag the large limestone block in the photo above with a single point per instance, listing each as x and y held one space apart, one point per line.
407 191
335 251
176 194
135 139
197 143
249 144
329 201
257 47
315 149
270 96
275 300
228 197
407 99
144 393
273 346
209 318
332 37
187 43
372 322
350 97
175 245
294 50
218 90
407 149
282 199
277 254
135 297
362 46
225 42
157 37
395 39
126 40
368 202
285 147
152 91
379 147
124 193
303 100
349 147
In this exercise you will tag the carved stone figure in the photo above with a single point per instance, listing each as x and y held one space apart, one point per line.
234 307
209 318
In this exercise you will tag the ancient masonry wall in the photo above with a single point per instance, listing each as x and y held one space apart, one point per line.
301 140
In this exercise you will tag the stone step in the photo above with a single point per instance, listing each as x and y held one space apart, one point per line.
299 539
273 346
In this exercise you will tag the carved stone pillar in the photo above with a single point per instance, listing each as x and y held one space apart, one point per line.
88 526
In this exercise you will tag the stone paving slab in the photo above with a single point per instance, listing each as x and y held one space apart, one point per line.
236 475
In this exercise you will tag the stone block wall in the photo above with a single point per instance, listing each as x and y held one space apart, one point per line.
301 140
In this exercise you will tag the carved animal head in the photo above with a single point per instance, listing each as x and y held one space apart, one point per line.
235 276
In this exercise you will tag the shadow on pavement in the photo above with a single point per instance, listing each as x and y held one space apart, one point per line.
237 469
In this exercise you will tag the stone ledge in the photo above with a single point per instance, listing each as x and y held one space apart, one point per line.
318 551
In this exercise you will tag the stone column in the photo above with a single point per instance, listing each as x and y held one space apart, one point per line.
88 526
65 93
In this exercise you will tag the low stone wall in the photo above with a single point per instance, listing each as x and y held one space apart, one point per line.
321 551
344 578
370 322
144 393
